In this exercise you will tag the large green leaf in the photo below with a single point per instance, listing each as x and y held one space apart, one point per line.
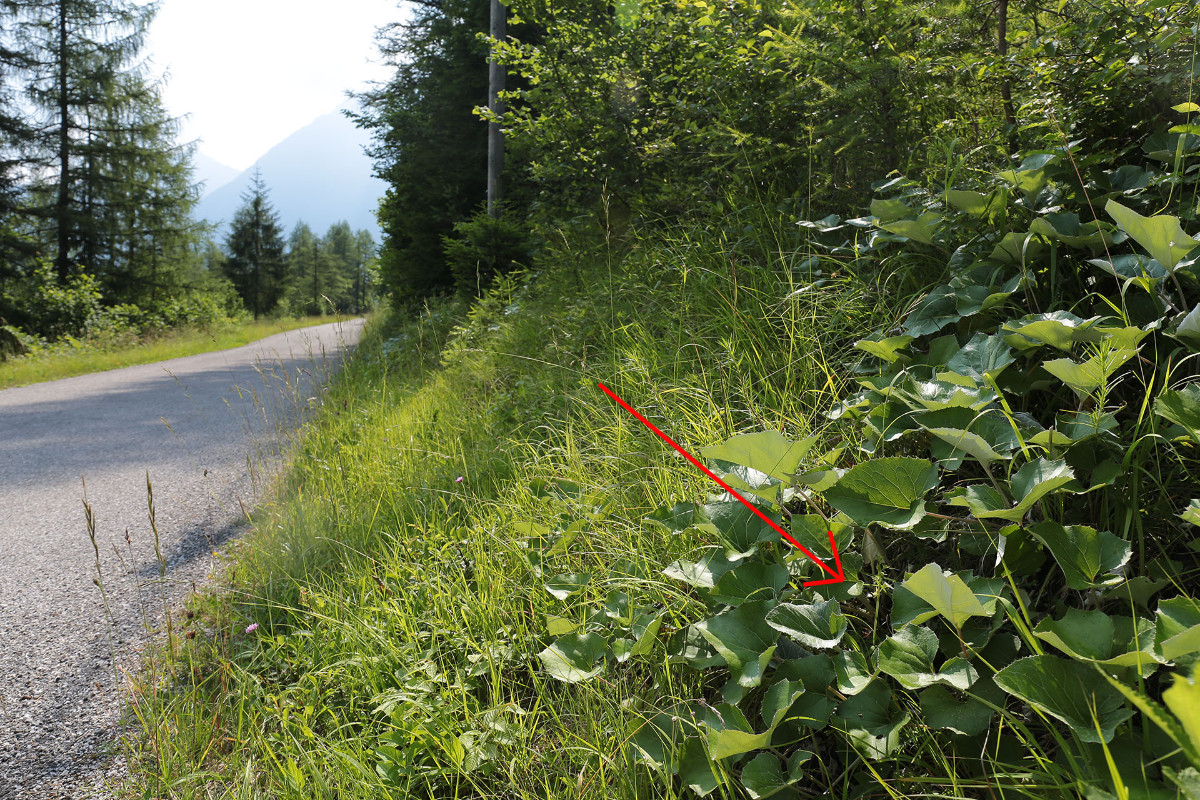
1187 740
778 699
768 452
744 639
689 646
909 655
1096 636
1188 328
575 657
884 349
921 229
674 518
872 721
851 672
890 210
982 356
704 573
1065 227
935 311
1030 178
1183 698
1017 248
1161 235
966 442
1084 378
1191 513
696 769
563 586
1084 554
976 291
642 636
942 710
946 593
729 732
1059 329
656 742
1178 627
976 204
888 491
753 580
1181 407
818 626
909 609
740 528
1033 481
1069 691
766 775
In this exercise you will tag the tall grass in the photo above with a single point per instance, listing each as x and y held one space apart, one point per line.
378 631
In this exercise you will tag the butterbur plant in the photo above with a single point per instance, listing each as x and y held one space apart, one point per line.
1018 524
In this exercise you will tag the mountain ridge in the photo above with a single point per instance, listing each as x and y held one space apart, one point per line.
318 175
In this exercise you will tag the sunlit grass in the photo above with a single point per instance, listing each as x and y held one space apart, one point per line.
398 610
85 359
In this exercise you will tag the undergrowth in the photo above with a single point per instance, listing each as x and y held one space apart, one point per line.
485 579
397 601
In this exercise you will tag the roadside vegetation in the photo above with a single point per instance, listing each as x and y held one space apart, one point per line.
71 356
921 281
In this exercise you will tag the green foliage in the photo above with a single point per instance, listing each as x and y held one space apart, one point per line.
256 264
40 305
484 248
429 146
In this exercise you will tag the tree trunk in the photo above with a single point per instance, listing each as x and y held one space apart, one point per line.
1010 116
495 150
62 208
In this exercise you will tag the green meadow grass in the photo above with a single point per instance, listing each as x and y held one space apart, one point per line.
375 635
87 358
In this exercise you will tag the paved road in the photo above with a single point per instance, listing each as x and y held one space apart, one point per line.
207 429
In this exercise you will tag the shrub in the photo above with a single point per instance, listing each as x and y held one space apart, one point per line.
484 248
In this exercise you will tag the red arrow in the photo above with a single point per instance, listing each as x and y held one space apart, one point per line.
837 577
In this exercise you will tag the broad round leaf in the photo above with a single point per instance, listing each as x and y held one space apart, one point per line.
575 657
946 593
819 625
768 452
1069 691
888 491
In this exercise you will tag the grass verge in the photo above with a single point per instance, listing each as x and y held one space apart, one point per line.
88 358
378 631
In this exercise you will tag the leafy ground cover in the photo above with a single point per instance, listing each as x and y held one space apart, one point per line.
80 357
483 578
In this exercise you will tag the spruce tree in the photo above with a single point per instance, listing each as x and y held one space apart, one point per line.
429 145
256 264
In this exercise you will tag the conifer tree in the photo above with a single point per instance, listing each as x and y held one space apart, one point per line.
84 76
16 134
429 145
316 282
256 264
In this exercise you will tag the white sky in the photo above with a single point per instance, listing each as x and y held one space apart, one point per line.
250 72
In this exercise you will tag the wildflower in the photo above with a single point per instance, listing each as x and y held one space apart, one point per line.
459 479
252 627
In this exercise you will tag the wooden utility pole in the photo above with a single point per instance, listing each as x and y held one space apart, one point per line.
496 77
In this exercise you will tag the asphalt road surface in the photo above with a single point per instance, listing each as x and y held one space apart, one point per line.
208 431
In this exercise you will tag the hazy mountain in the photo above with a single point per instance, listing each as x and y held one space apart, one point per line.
213 173
319 175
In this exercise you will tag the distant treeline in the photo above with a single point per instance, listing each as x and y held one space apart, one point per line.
96 193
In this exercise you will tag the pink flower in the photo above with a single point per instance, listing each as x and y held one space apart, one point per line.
459 479
252 627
